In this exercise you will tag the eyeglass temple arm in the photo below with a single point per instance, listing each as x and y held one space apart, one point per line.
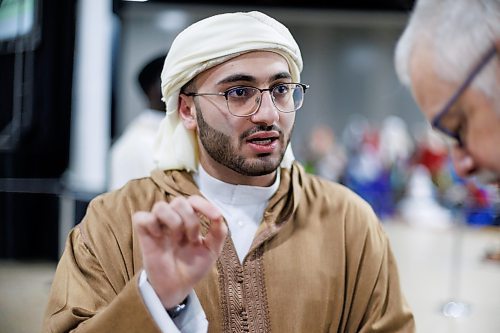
474 72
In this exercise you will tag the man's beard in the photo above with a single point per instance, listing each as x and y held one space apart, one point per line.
219 147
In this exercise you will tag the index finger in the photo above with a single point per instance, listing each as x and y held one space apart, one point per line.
205 207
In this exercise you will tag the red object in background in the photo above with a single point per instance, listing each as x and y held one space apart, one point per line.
371 138
433 159
479 195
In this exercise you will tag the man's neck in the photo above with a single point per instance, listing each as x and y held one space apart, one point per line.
232 177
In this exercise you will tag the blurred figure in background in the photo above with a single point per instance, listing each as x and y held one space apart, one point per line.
431 152
449 56
324 155
366 171
131 155
396 143
420 205
396 149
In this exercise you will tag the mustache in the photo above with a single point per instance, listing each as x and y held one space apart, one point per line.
261 128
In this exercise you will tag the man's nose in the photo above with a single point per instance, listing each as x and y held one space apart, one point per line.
267 112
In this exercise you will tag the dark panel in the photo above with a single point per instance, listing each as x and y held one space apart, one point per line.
38 82
31 231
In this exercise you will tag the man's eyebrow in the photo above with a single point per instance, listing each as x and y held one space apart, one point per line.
238 77
282 75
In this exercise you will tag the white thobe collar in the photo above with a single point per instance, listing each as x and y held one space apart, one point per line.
241 205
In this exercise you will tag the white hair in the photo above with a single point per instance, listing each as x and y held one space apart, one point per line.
459 32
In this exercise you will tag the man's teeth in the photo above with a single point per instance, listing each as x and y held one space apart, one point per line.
261 141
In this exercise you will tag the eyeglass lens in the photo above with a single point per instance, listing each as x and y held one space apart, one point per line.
244 101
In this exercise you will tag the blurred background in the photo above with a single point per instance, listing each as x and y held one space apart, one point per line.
68 90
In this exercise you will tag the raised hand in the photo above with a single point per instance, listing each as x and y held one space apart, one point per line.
175 255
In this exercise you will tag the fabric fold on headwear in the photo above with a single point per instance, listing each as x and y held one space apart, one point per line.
203 45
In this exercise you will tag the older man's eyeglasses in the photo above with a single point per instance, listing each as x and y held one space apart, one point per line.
450 124
244 101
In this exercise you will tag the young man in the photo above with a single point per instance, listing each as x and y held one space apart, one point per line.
230 234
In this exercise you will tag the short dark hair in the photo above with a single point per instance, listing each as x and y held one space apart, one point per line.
150 73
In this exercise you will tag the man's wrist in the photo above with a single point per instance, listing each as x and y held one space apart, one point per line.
178 309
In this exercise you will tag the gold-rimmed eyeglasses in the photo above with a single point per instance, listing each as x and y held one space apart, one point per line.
244 101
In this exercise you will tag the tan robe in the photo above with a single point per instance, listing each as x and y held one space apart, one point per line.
319 262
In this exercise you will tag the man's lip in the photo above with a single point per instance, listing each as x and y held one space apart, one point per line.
263 135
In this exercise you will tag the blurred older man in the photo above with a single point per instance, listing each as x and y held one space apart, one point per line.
448 56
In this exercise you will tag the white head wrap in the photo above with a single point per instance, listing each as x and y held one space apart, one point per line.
203 45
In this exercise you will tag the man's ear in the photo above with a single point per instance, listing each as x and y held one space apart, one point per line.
186 111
